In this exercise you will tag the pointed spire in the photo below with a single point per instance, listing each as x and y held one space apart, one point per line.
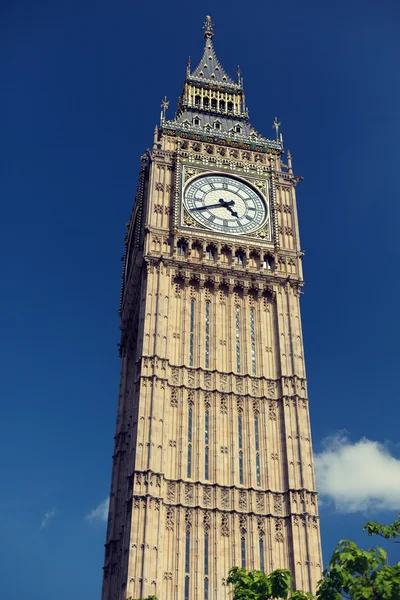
188 65
276 124
209 68
164 106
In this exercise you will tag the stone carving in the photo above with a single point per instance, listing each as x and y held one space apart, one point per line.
256 407
254 386
172 443
242 500
224 449
207 495
224 525
169 518
206 520
239 384
174 398
278 503
190 398
188 519
189 493
159 186
171 491
225 498
168 575
260 504
207 380
279 530
223 404
175 375
191 377
243 524
272 410
260 526
158 209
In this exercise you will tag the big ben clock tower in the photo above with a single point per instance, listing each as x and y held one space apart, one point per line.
213 462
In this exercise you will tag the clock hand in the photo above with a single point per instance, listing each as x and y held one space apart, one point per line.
233 212
225 203
206 206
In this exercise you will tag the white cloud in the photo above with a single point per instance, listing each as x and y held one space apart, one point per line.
50 514
100 513
358 477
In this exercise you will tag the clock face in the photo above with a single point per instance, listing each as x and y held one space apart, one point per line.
225 204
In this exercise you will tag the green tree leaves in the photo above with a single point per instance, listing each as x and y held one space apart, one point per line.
352 574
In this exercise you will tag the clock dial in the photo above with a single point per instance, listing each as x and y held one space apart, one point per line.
225 204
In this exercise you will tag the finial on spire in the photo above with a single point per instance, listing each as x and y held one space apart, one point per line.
239 73
208 28
188 64
164 106
276 124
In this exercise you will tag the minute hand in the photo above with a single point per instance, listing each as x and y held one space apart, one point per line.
223 204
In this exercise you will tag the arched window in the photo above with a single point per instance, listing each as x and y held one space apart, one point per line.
222 104
213 103
197 100
238 129
196 121
210 253
239 258
217 125
206 102
268 262
230 106
181 248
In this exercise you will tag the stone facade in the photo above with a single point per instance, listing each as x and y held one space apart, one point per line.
213 463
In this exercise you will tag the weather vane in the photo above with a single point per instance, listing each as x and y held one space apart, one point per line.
164 106
276 125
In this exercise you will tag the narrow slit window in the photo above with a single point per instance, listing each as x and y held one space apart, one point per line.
205 589
262 554
253 342
206 554
240 431
237 339
206 444
243 551
187 553
207 340
257 445
191 333
186 588
190 431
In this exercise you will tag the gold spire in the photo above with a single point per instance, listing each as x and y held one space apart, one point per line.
208 28
188 64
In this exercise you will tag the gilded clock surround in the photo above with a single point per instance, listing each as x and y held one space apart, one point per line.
213 462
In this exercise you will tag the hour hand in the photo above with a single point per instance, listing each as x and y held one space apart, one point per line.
225 203
233 212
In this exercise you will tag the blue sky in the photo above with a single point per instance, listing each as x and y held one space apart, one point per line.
81 85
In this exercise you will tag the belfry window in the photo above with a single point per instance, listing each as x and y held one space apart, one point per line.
237 324
230 106
191 332
187 553
253 342
190 441
257 445
206 444
197 100
239 258
210 253
206 102
213 103
240 431
207 339
181 249
222 104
